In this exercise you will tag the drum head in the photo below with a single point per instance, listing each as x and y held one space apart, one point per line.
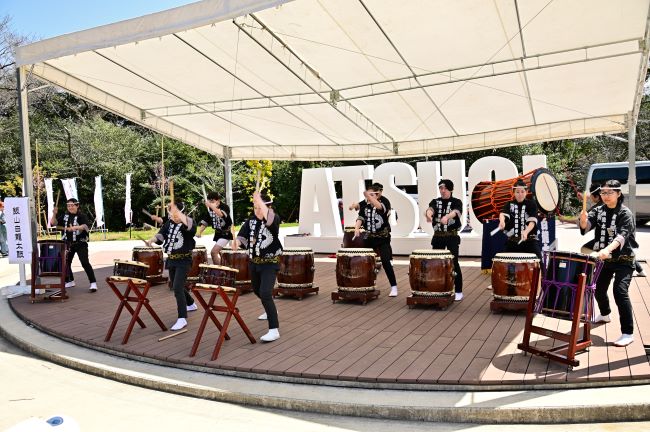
135 263
218 267
545 190
515 257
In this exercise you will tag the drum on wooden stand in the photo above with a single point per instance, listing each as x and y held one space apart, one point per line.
153 257
560 282
238 260
431 277
51 257
49 271
130 269
514 275
489 197
199 256
355 274
217 275
296 275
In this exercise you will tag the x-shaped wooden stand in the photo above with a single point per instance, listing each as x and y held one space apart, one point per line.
209 306
133 286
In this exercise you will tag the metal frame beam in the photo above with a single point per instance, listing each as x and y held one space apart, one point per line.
318 98
364 123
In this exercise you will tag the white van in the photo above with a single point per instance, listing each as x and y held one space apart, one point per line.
601 172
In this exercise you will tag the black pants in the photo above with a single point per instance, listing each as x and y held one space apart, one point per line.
382 245
177 276
81 249
263 280
452 244
622 274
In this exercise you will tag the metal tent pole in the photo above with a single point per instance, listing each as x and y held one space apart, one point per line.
28 185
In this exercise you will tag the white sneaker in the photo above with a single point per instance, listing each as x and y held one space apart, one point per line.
180 323
393 292
458 296
192 307
263 316
624 340
70 284
93 287
272 335
602 319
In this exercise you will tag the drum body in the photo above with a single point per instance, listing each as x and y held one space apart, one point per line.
431 272
130 269
296 268
238 260
488 198
512 276
349 242
199 256
355 269
51 257
217 275
565 267
561 281
152 256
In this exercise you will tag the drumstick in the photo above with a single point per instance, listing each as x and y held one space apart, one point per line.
171 191
58 195
494 231
257 180
147 213
205 195
172 335
234 237
584 201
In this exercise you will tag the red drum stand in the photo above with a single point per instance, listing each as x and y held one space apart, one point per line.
566 352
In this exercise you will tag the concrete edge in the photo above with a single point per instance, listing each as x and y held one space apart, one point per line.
164 378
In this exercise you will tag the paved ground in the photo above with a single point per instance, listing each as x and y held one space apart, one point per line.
32 387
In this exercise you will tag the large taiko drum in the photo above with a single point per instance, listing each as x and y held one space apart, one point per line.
489 197
560 283
199 256
217 275
513 276
51 257
296 268
431 272
153 257
355 269
349 241
238 260
130 269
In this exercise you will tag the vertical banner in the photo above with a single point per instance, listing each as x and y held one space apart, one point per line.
19 230
49 192
127 201
70 188
99 202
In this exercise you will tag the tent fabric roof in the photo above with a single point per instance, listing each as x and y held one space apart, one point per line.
366 79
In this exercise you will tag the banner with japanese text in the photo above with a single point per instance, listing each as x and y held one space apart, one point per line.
19 230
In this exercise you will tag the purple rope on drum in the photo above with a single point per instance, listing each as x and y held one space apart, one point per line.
560 281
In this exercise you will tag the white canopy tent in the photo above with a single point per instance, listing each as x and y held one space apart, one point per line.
359 79
366 79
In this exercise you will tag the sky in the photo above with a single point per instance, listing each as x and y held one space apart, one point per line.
42 19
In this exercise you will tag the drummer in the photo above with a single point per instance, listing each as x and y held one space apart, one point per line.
613 225
177 239
219 215
519 220
260 235
374 212
445 213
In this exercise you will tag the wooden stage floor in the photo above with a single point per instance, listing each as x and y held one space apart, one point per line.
383 341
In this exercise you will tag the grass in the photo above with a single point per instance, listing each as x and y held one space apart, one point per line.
137 234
